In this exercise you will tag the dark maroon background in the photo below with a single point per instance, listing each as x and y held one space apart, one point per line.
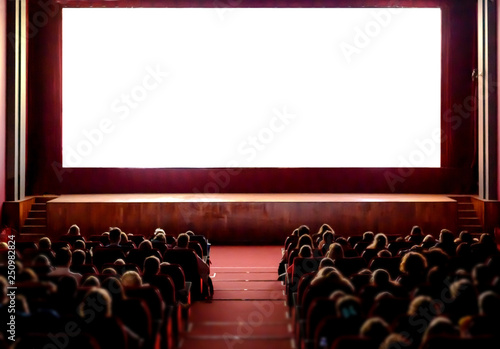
45 175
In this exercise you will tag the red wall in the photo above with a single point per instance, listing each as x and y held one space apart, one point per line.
44 174
3 81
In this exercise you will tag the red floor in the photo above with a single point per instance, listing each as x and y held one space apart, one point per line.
248 309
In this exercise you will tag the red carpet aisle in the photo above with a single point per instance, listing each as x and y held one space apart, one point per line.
248 310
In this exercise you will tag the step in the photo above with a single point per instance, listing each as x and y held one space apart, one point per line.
37 214
38 206
467 213
471 228
465 206
469 221
35 221
461 199
44 199
34 229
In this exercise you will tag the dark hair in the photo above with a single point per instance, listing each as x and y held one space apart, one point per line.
183 240
368 236
304 240
151 265
145 245
78 257
416 230
375 328
303 230
305 251
489 303
413 262
63 257
79 245
115 235
446 236
74 230
44 243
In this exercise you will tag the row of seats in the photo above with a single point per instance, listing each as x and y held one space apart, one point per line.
147 307
422 293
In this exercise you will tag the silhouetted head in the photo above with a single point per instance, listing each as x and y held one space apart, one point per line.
183 240
74 230
63 257
305 251
416 230
413 263
368 236
44 243
78 258
131 279
151 265
375 328
93 297
304 230
115 235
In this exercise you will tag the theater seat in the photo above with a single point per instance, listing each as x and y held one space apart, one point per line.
354 342
152 297
138 257
103 255
177 275
187 259
349 266
453 342
71 239
41 340
203 243
135 314
391 264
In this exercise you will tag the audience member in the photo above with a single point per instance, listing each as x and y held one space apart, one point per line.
62 265
115 235
413 269
131 279
203 268
74 230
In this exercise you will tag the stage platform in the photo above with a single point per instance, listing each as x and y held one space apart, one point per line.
251 218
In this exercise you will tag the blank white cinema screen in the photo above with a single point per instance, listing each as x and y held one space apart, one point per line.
251 87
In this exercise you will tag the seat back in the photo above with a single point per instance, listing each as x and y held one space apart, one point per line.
187 259
361 246
395 246
391 264
71 239
350 265
320 308
195 245
455 342
176 273
350 342
103 255
160 246
103 239
166 287
136 239
138 257
22 245
202 241
121 269
151 295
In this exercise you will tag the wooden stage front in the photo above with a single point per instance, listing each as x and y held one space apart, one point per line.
251 218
